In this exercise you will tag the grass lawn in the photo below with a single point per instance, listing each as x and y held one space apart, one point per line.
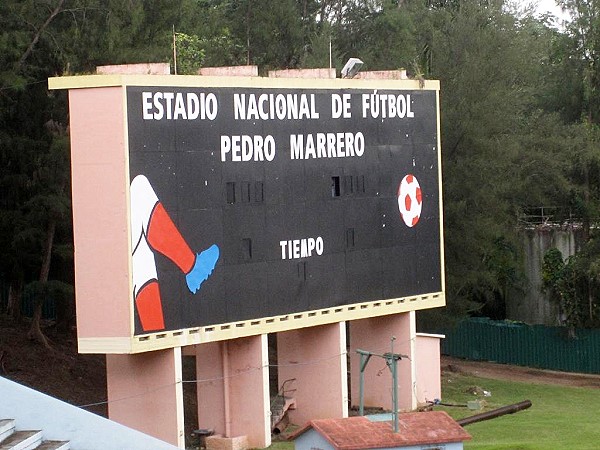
560 418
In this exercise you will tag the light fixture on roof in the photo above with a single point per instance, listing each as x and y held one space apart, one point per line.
351 68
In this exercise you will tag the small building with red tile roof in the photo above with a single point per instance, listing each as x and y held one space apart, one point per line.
416 431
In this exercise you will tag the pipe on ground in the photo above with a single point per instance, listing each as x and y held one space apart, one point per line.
510 409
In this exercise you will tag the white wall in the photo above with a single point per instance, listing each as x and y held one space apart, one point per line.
33 410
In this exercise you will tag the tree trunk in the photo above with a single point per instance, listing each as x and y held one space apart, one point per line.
15 292
35 331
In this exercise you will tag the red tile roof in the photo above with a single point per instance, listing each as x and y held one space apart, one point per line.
356 433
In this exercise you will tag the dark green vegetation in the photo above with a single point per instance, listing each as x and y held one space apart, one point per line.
520 116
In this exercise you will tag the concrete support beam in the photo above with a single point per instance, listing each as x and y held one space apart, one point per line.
145 393
210 386
316 357
374 335
233 389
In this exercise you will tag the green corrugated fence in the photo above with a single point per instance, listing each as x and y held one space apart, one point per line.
524 345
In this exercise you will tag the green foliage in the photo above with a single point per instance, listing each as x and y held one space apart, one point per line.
189 54
552 268
317 53
584 30
575 284
222 50
486 121
559 278
380 33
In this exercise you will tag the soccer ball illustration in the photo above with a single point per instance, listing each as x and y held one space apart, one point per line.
410 200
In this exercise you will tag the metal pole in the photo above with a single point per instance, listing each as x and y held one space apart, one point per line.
395 393
391 360
364 360
361 389
174 51
395 386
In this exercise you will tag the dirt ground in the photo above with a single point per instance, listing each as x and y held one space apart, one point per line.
60 372
517 373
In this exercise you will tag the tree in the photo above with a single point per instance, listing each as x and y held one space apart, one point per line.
518 129
501 152
42 38
381 33
321 50
584 29
273 32
189 54
49 207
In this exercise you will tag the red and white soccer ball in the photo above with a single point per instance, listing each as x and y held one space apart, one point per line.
410 200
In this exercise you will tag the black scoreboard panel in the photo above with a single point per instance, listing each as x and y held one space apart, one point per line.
296 231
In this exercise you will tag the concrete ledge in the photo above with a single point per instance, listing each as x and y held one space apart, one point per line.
222 443
302 73
233 71
399 74
135 69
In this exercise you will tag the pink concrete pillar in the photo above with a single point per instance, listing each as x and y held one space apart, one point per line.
316 357
429 376
210 386
145 393
233 389
374 335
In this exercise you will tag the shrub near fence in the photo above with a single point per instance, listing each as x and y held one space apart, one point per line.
28 303
524 345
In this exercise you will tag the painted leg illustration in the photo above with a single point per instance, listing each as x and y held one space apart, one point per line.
152 230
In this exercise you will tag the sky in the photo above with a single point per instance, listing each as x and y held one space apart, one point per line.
547 5
544 6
